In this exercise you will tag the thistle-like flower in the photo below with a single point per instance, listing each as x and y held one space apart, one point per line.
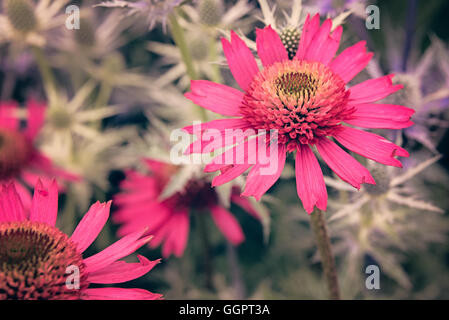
27 22
384 221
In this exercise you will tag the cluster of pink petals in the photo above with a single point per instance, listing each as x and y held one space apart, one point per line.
169 219
101 268
318 45
36 165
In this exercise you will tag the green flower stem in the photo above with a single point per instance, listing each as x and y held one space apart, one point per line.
46 73
213 56
319 228
207 257
180 41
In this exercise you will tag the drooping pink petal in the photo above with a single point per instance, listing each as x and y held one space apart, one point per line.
324 44
269 46
150 214
215 97
35 119
230 173
44 207
25 196
227 224
237 155
11 208
381 116
176 239
8 120
309 180
311 27
118 294
122 248
371 146
122 271
90 225
245 204
351 61
258 182
241 62
373 90
345 166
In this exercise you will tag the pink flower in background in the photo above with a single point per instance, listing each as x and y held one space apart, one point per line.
306 100
168 220
20 161
37 258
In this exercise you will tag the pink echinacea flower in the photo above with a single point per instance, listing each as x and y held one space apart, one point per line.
307 100
37 259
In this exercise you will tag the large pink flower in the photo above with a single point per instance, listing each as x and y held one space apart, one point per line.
20 161
37 259
168 220
306 99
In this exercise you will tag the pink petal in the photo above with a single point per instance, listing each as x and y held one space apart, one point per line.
351 61
11 208
324 45
230 173
44 207
228 225
371 146
133 217
345 166
269 46
116 251
90 225
240 60
122 271
245 204
25 196
311 26
373 90
215 97
119 294
36 117
176 238
257 183
8 120
237 155
309 180
381 116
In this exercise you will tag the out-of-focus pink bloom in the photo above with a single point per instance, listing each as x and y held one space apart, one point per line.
168 220
38 259
20 161
306 100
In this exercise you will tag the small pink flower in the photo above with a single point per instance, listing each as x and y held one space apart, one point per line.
168 219
35 255
306 100
20 161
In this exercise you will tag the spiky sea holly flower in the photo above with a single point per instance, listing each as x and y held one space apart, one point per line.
142 202
306 100
20 160
40 262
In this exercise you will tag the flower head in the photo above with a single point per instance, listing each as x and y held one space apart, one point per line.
36 256
306 100
20 160
28 22
164 199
